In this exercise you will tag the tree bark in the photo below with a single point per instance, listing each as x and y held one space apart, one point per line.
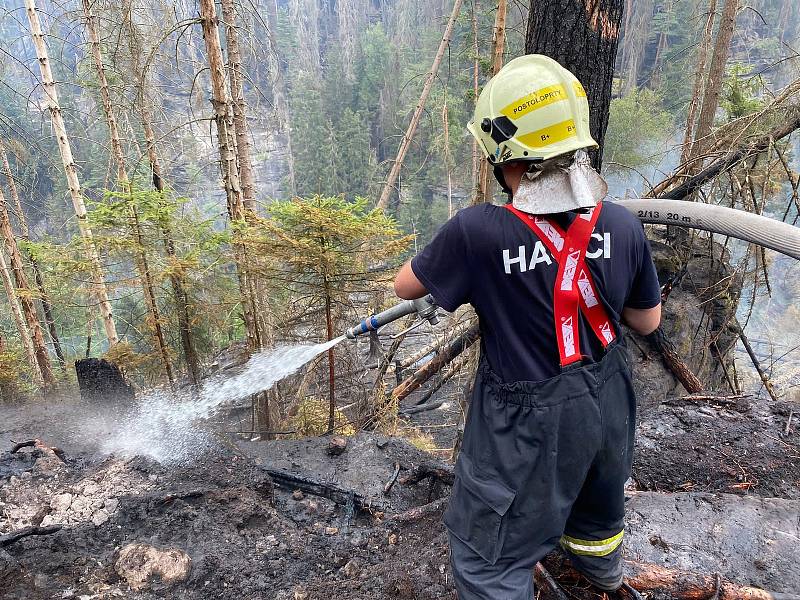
19 319
25 296
453 349
47 308
176 274
221 102
100 292
713 87
699 82
483 193
582 35
145 276
239 106
674 363
408 137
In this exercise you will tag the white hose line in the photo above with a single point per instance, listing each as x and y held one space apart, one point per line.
770 233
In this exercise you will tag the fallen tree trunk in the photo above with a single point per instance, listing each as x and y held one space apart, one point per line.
323 490
451 351
725 163
440 471
680 585
15 536
661 344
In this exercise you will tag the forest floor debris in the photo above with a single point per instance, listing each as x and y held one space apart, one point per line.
220 527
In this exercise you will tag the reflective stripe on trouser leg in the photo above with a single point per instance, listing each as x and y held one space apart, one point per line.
591 547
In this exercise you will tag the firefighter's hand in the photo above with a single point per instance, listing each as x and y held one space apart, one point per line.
406 284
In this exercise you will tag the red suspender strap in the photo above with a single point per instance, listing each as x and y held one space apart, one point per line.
574 285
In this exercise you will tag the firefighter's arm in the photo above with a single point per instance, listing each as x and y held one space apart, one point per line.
642 320
406 284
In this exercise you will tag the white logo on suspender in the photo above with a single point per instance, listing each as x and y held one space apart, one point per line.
586 289
605 329
568 333
569 270
550 232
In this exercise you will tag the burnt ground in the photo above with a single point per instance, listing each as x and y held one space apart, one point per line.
716 489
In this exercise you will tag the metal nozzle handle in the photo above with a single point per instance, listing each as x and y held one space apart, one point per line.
426 307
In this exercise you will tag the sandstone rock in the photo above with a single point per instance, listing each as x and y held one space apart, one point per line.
137 563
100 517
337 445
61 502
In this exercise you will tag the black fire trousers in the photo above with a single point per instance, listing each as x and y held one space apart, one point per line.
542 463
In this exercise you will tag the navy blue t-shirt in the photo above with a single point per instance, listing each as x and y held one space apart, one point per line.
486 256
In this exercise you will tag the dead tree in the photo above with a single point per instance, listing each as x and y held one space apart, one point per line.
226 142
176 277
99 290
19 318
24 294
451 351
239 106
44 298
639 16
483 192
408 137
582 37
713 86
699 82
142 262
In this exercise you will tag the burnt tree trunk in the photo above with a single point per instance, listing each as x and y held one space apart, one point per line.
47 308
582 35
176 276
102 381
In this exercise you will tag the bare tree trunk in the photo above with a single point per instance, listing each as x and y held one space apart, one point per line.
582 35
122 174
331 363
699 81
221 102
47 308
239 106
25 297
100 292
176 274
405 143
716 74
19 319
484 193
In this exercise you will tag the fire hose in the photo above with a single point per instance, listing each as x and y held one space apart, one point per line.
757 229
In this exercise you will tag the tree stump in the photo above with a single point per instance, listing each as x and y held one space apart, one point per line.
102 381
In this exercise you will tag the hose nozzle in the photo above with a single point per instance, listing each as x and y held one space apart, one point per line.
424 307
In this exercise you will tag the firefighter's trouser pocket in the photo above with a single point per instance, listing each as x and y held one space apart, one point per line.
477 511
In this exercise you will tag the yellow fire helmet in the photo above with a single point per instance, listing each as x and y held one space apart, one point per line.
532 110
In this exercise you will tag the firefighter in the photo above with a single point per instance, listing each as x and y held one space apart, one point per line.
552 275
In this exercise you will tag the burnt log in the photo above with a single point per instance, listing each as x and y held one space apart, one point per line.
100 380
15 536
680 585
290 481
450 352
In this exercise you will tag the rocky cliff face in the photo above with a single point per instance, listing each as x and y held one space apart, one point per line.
702 296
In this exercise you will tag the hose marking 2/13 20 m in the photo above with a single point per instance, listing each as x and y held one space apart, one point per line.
770 233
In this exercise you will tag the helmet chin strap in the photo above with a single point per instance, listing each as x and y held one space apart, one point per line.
498 174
